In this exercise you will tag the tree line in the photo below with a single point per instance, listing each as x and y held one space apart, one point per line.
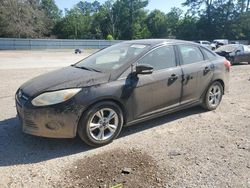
125 20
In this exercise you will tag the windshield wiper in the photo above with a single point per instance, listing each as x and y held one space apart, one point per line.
86 68
93 69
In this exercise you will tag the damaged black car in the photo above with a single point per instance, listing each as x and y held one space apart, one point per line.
119 86
235 53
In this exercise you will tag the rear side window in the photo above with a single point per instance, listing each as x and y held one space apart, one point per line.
208 54
190 54
160 58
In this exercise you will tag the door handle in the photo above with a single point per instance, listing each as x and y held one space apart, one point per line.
207 70
172 79
186 78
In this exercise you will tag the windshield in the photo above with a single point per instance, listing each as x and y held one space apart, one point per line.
113 57
206 42
227 48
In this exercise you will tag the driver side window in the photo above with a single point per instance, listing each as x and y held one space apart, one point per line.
160 58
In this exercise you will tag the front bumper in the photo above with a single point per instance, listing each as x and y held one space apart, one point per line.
59 121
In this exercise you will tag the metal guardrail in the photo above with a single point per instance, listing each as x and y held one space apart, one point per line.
32 44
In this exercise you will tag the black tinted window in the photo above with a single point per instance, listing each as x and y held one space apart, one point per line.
161 58
190 54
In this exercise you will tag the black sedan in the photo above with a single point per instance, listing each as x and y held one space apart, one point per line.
119 86
235 53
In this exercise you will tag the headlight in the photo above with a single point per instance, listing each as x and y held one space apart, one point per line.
55 97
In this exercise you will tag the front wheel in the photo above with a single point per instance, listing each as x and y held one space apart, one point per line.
213 96
101 124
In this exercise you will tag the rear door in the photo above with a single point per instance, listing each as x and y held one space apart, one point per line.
197 72
239 54
246 54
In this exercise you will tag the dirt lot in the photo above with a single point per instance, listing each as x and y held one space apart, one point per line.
191 148
38 59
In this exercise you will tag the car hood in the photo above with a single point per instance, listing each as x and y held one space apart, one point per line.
69 77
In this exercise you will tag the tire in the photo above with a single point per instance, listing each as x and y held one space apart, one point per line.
101 124
213 96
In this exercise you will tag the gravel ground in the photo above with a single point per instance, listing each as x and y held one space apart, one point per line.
22 59
190 148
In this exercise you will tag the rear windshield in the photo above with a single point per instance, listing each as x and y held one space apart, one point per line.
227 48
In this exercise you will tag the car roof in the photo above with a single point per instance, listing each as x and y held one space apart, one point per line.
154 42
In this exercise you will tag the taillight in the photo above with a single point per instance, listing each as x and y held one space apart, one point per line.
227 64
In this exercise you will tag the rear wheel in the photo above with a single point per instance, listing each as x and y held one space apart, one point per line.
101 124
213 96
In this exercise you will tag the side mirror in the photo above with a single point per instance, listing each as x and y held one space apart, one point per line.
144 69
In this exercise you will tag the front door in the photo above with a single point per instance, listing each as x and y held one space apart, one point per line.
160 90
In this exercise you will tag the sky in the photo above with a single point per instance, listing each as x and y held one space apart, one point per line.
163 5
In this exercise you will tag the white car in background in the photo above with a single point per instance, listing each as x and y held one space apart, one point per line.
204 43
219 42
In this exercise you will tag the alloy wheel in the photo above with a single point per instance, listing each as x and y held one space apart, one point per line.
103 124
214 96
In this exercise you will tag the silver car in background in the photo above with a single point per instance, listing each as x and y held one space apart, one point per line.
205 43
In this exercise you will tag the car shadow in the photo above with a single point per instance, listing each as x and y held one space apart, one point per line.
19 148
160 121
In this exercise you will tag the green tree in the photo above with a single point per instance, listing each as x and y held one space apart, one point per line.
51 9
108 19
157 24
241 26
130 15
216 17
173 19
89 13
53 13
20 18
140 29
243 5
187 28
104 21
88 8
74 25
125 19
